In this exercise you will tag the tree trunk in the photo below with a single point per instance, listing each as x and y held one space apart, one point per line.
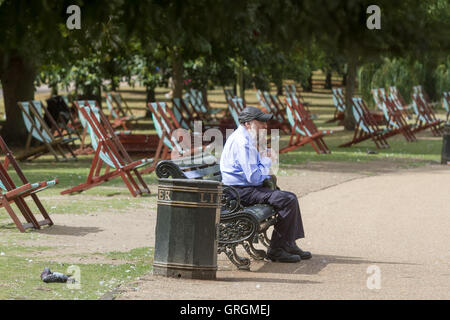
308 85
349 120
18 85
279 85
328 83
151 97
177 74
240 89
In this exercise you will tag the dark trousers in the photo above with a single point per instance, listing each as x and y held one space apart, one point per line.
289 226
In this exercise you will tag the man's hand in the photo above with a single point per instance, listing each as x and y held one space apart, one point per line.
271 183
272 155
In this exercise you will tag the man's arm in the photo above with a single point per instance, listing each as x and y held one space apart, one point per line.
255 168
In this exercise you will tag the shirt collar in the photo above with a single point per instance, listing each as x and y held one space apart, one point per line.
246 134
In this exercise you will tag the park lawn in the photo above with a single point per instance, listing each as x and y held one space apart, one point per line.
20 268
20 275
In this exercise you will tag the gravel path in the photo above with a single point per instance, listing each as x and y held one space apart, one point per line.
384 236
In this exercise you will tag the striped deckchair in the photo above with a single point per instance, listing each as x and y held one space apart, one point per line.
399 102
425 116
167 127
339 104
10 193
303 129
109 154
272 104
235 106
395 121
54 142
200 105
292 92
366 126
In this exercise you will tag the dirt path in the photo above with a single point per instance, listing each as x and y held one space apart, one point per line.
356 215
372 237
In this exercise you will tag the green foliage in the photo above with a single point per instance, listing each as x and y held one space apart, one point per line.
442 77
404 73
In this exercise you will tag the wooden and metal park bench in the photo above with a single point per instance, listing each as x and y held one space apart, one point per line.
109 154
54 142
10 193
239 225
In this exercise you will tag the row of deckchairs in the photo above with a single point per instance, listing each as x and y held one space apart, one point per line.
293 118
421 108
396 122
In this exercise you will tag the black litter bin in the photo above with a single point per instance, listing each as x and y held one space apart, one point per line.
187 228
445 157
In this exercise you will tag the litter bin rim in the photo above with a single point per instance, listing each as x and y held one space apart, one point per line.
190 181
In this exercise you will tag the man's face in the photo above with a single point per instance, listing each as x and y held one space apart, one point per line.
256 125
257 129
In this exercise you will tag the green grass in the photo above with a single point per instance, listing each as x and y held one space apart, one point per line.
20 276
20 269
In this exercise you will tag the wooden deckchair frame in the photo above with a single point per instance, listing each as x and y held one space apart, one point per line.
111 153
60 129
292 92
168 123
10 193
420 90
236 105
303 129
396 123
118 101
116 116
203 99
186 120
39 129
339 104
365 120
399 102
425 116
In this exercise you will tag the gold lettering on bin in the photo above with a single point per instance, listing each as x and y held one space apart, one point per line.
204 197
164 194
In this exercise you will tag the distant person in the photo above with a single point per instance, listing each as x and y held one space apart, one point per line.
246 169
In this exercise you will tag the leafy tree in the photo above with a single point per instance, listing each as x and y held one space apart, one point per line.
34 34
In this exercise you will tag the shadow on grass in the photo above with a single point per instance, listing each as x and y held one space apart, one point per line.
68 230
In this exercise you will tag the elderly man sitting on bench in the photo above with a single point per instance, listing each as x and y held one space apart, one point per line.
245 168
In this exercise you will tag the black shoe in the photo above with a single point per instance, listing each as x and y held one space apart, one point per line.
305 255
281 255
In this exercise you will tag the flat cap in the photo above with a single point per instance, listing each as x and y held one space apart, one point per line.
253 113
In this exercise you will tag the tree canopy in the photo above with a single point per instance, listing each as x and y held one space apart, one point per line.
220 41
